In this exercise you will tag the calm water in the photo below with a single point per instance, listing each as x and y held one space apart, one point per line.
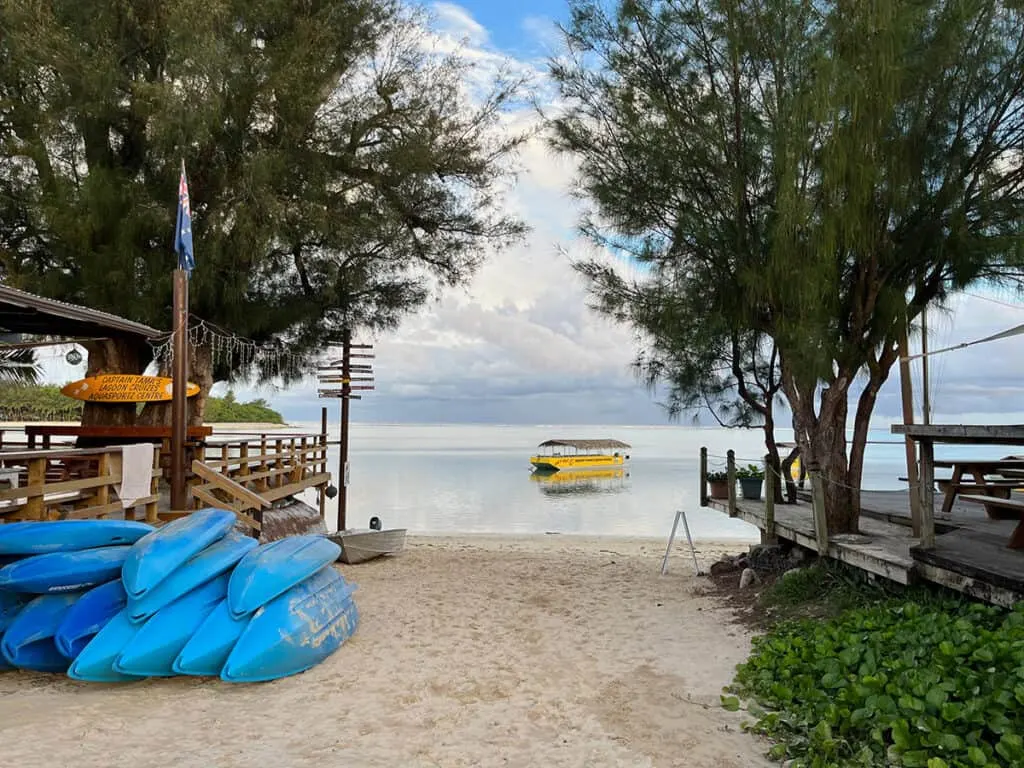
477 479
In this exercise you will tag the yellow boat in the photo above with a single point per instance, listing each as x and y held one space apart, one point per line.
580 481
558 455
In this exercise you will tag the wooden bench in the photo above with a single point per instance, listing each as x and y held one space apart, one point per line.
1011 509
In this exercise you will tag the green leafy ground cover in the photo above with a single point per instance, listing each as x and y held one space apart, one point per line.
921 679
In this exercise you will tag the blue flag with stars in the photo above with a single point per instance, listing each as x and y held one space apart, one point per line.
183 232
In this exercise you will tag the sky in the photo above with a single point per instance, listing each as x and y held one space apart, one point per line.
518 345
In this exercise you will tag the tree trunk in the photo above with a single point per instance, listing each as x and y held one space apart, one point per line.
828 446
114 356
200 371
774 463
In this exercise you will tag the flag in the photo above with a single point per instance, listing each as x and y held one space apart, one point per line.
183 231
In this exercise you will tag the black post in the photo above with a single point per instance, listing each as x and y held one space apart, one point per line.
179 393
346 391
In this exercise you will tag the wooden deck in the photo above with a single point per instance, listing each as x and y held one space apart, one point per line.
970 556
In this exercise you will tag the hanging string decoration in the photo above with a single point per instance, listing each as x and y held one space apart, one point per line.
229 349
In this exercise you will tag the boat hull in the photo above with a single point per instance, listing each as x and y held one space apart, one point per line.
567 463
211 562
95 663
272 569
157 554
43 537
151 653
294 631
64 571
360 545
29 643
208 649
89 615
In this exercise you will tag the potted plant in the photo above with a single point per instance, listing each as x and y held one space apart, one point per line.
718 485
751 480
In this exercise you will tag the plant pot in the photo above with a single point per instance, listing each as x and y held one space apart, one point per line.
751 487
718 490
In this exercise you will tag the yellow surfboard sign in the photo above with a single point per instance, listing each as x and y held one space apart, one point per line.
125 389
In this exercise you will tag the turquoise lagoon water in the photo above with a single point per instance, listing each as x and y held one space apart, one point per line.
476 479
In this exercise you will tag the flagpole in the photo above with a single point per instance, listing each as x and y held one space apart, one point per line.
179 392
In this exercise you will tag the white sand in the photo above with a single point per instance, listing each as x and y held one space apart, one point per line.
471 651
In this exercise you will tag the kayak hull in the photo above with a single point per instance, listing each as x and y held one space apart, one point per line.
208 649
157 554
294 631
88 616
272 569
28 642
64 571
96 661
46 536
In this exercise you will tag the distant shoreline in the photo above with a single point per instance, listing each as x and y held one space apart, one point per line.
239 426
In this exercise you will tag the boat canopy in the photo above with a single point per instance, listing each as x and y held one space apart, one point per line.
584 445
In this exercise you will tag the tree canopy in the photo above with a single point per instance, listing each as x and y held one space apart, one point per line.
338 169
806 175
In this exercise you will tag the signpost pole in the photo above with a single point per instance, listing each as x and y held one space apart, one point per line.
179 393
346 390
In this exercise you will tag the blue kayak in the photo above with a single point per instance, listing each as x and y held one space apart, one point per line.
28 642
217 558
159 641
42 537
157 554
208 649
96 661
274 568
294 631
88 616
10 604
64 571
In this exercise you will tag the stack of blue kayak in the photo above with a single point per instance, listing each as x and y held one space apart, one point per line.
112 600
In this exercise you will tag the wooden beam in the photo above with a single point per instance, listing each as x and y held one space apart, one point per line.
228 485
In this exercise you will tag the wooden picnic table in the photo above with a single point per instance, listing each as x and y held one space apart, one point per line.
1010 474
927 435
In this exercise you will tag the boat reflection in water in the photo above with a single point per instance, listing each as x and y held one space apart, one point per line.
581 481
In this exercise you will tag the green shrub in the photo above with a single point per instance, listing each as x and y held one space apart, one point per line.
897 683
228 409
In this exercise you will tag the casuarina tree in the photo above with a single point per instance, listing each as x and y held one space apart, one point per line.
339 169
813 174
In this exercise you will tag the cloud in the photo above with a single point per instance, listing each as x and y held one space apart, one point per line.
454 20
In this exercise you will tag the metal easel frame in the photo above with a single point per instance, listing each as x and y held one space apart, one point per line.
686 526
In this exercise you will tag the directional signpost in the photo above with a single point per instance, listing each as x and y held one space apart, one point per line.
339 379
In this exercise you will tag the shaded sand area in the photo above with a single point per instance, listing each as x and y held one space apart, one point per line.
472 651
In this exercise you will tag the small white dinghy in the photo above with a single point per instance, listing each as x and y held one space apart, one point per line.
361 544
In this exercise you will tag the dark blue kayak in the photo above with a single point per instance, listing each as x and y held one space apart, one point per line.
158 642
42 537
157 554
272 569
216 559
64 571
11 604
88 616
294 631
28 642
96 661
208 649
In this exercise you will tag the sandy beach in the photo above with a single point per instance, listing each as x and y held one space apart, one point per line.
471 651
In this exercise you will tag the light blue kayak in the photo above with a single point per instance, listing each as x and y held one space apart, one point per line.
294 631
28 642
208 649
217 558
159 641
42 537
64 571
272 569
157 554
96 661
88 616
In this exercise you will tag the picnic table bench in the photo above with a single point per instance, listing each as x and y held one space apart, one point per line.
1009 477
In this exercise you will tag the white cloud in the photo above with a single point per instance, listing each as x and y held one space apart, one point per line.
454 20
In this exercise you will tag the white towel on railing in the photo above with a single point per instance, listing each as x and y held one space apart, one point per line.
136 472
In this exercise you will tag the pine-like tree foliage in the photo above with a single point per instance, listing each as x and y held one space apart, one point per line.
810 175
18 366
339 172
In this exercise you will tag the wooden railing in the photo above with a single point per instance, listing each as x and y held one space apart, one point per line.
269 466
67 484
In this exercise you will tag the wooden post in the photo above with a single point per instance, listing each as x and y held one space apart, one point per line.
770 480
346 391
33 509
154 488
322 467
927 494
820 518
179 400
243 462
279 464
703 476
730 463
908 418
102 496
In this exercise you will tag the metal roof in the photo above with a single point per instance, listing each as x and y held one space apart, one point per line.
585 444
23 312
